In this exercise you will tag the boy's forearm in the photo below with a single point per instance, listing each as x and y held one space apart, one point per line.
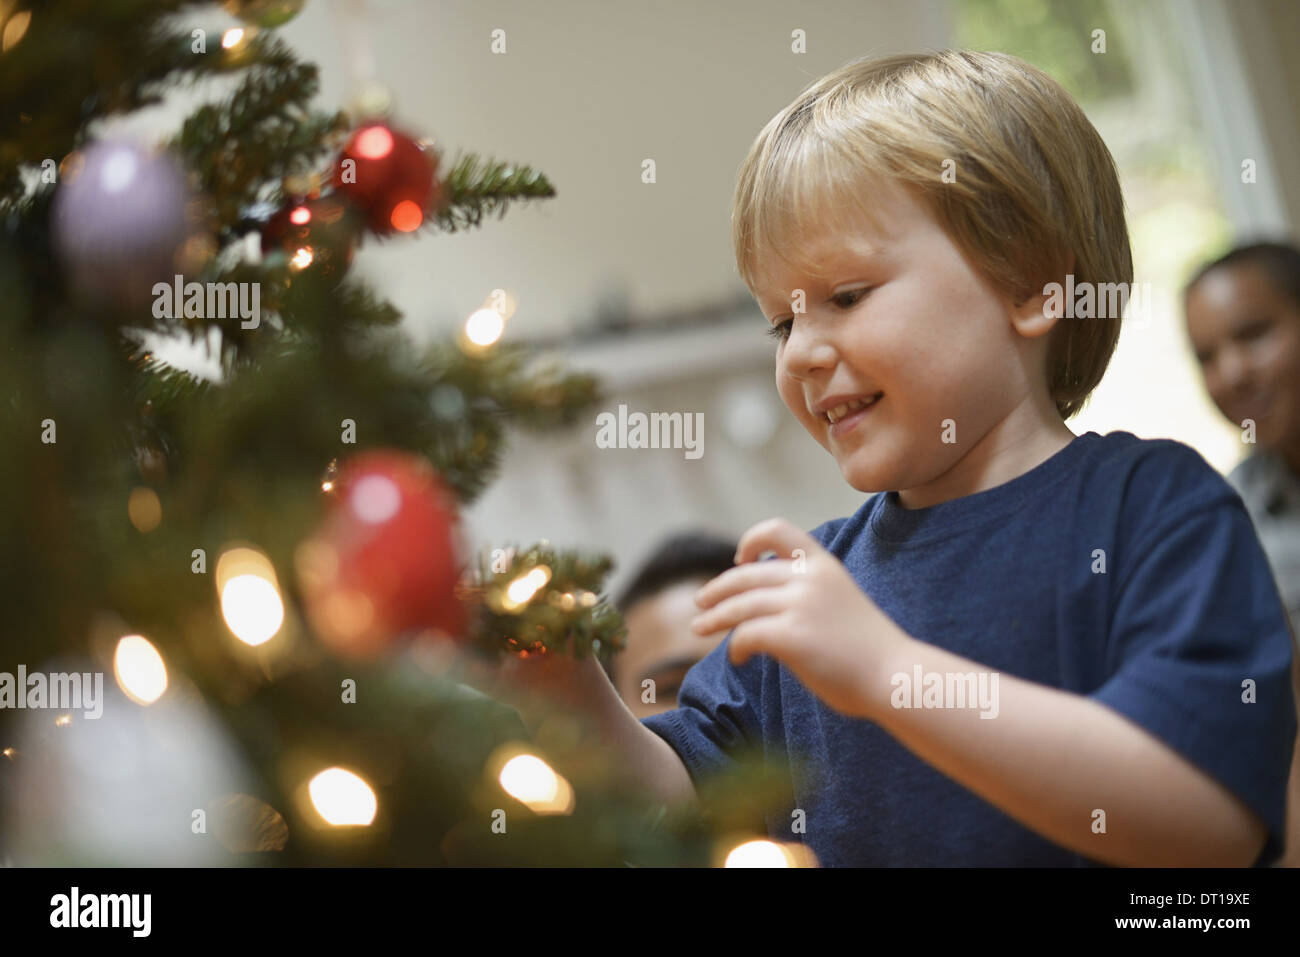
647 759
637 753
1051 759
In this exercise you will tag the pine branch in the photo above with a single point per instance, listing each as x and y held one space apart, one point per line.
160 386
563 612
471 192
83 60
243 147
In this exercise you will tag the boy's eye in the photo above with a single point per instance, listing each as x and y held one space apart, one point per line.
781 331
845 300
851 294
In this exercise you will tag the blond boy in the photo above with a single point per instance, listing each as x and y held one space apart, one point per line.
1033 648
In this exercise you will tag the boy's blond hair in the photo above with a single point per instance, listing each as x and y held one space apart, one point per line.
1032 192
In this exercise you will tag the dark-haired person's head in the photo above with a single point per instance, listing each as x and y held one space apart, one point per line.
1243 319
657 606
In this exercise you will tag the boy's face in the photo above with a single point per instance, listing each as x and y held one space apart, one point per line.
1246 336
932 340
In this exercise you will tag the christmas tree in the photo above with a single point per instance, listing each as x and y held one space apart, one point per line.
264 572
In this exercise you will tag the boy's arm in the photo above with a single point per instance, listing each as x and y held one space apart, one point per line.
542 686
1051 759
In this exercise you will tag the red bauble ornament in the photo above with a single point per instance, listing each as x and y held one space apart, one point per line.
389 177
314 232
386 563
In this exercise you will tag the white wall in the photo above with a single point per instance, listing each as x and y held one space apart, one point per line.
586 91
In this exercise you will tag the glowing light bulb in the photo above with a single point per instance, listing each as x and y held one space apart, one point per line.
342 798
757 854
252 608
139 669
521 591
484 327
250 598
531 781
232 37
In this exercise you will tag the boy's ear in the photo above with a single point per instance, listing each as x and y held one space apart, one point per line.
1037 314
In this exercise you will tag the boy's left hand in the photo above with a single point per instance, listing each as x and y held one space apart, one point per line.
804 609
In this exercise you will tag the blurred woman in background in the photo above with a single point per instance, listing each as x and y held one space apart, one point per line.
1243 318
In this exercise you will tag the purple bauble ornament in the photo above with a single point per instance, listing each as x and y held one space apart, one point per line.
119 221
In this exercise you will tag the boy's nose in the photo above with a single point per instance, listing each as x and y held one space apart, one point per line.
806 352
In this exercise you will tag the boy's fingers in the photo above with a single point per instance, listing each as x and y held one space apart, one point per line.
758 636
777 534
731 612
741 578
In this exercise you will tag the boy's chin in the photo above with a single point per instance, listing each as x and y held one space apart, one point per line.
865 479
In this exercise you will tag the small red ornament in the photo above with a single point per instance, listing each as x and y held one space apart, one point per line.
389 177
314 232
385 565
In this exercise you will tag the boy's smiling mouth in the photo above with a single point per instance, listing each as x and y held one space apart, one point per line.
843 412
836 407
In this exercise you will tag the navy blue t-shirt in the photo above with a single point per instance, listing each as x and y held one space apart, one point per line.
1123 569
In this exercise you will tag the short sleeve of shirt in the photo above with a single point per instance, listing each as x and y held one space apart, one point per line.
716 714
720 709
1200 651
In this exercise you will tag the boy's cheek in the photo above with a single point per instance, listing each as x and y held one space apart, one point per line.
792 397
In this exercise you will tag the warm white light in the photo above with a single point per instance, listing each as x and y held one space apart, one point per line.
252 608
757 854
531 781
484 327
342 798
232 37
302 258
139 669
250 597
521 591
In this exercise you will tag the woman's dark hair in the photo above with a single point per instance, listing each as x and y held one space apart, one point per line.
682 556
1279 261
678 558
